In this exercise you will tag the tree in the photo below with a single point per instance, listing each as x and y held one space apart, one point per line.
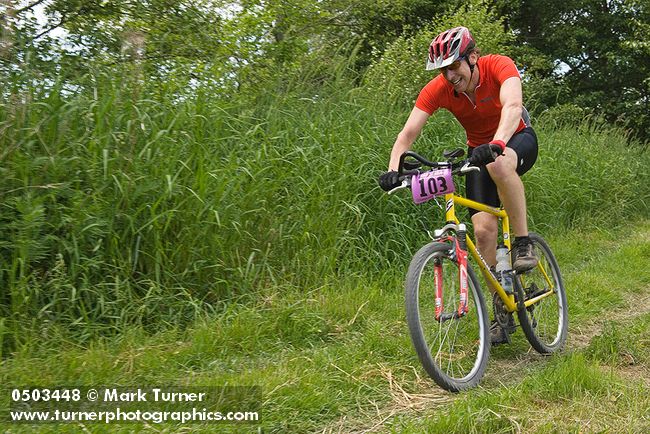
223 38
595 50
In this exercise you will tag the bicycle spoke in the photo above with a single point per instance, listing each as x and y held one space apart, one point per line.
545 274
447 348
452 347
460 359
545 321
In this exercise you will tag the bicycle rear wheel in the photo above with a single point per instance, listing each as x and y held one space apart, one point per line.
454 352
544 323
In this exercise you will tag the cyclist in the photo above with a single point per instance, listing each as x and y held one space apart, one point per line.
485 96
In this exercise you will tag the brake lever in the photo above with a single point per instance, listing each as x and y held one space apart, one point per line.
404 184
467 168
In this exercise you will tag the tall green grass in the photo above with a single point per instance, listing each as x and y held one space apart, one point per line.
128 204
586 176
339 358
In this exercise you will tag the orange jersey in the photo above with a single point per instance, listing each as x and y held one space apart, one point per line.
480 120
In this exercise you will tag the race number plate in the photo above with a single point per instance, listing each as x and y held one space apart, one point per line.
425 186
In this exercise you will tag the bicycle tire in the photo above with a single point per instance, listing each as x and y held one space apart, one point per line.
471 332
545 323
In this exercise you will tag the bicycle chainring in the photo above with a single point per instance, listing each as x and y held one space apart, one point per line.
501 315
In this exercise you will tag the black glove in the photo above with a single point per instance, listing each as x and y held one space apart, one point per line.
388 180
485 154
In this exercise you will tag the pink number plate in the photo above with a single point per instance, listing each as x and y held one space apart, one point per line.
425 186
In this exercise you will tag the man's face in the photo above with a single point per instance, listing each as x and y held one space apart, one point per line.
458 74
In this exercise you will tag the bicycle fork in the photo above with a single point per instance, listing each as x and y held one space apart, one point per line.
460 250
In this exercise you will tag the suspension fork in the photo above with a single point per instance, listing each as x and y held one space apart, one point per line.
461 256
460 250
438 281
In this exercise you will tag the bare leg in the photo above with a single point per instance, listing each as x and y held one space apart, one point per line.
511 190
486 230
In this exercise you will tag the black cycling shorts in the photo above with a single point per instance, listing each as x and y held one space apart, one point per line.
479 185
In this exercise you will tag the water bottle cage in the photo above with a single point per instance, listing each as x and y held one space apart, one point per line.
500 276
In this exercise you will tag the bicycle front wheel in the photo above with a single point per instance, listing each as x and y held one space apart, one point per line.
453 350
544 323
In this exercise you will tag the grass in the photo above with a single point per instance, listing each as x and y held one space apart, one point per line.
150 237
126 206
343 351
603 388
569 394
623 343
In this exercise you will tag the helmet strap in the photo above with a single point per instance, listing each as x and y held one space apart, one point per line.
471 68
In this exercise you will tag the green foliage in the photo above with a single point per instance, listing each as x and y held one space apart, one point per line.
400 73
585 173
584 52
379 23
158 30
133 201
596 51
227 174
130 203
339 355
228 43
569 378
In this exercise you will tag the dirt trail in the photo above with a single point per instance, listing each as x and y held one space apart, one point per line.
579 337
582 334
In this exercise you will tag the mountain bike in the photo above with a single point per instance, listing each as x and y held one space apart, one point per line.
446 312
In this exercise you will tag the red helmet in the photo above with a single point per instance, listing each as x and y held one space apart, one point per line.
449 46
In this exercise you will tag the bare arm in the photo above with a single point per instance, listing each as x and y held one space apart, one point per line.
407 136
511 102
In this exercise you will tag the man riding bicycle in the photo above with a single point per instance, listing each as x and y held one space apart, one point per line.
485 96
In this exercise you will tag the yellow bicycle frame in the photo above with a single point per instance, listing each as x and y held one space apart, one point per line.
451 200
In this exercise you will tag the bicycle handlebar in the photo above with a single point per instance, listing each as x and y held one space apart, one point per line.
462 167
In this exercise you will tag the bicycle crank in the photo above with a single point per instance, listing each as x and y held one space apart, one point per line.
502 316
